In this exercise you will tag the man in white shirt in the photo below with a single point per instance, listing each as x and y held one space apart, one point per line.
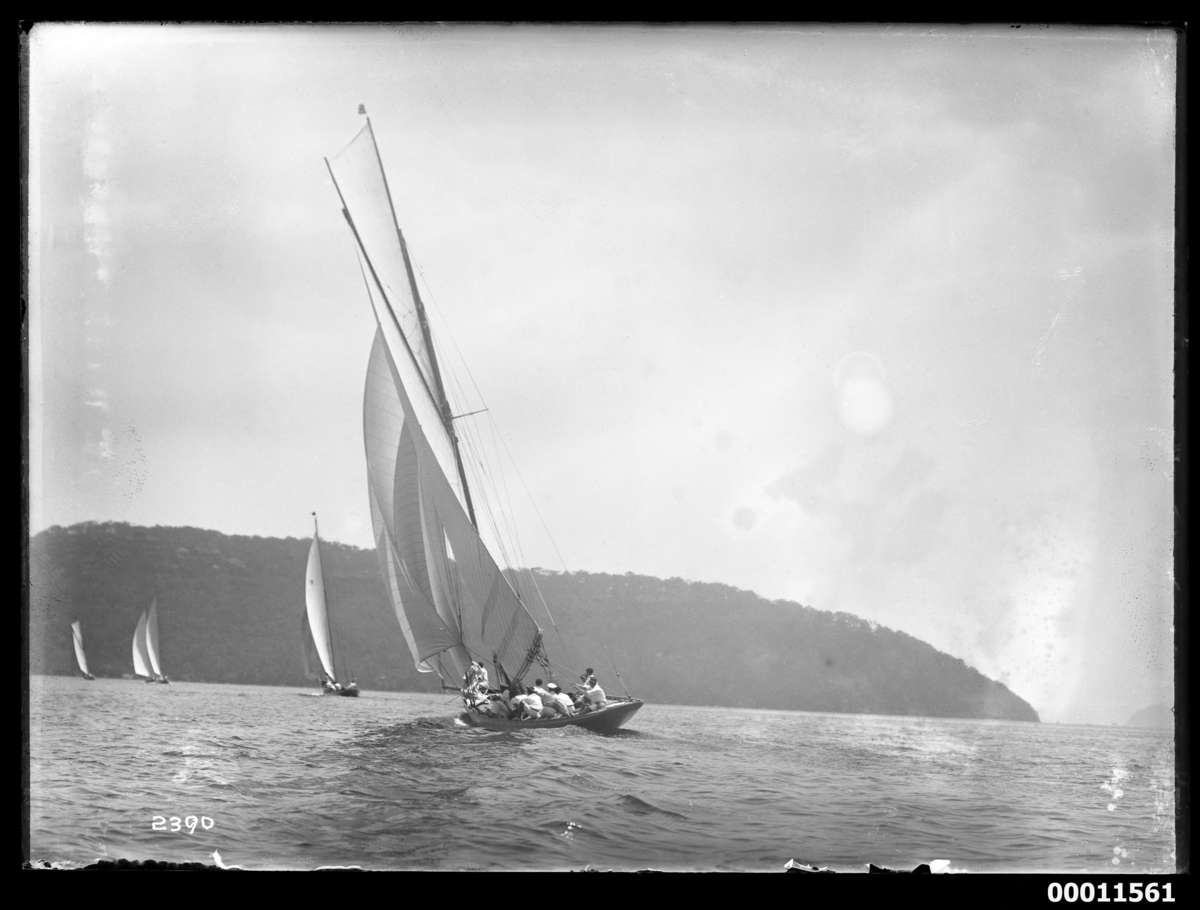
516 704
559 700
532 705
594 698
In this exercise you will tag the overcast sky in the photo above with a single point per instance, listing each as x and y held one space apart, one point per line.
875 319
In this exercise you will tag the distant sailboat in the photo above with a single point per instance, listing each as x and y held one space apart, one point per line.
452 600
145 646
316 623
80 657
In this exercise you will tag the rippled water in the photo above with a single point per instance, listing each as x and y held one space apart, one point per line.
391 781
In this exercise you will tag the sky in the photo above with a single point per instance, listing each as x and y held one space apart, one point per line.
876 318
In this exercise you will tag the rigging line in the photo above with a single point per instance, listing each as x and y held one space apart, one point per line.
445 323
502 546
464 431
616 672
507 538
522 566
507 498
512 511
554 543
469 443
567 652
503 519
502 487
492 424
502 539
529 494
503 534
490 514
500 504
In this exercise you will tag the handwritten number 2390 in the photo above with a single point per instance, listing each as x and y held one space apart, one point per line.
175 823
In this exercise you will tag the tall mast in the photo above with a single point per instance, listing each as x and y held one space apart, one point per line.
443 403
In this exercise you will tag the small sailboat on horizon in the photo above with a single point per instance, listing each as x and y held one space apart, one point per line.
455 605
146 664
80 656
317 635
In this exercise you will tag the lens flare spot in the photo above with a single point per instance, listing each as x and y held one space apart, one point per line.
864 402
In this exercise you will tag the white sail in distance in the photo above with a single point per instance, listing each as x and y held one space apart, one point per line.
318 613
77 640
141 660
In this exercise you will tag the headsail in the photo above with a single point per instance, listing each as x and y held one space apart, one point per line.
316 613
152 638
77 640
452 600
141 660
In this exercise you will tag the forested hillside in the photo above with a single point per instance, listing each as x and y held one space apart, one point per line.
230 610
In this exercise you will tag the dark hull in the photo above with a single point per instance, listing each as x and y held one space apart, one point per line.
347 693
607 720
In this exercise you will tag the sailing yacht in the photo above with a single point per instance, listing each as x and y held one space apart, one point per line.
145 647
316 623
80 657
453 602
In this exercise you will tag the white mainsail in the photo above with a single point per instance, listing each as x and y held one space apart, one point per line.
318 614
141 660
152 638
450 597
77 640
